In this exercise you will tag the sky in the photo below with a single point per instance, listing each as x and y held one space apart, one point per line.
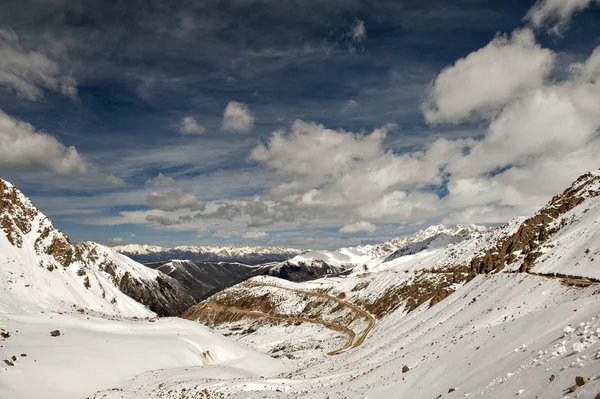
303 124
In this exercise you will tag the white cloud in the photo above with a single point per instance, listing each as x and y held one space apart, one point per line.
173 200
350 105
27 73
202 232
22 148
254 234
117 181
116 240
359 227
237 117
189 126
160 181
358 32
556 13
488 78
225 234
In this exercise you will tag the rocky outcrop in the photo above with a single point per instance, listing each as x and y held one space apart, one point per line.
34 236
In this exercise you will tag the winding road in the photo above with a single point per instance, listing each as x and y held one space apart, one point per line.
350 343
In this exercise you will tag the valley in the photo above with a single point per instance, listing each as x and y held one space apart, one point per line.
447 312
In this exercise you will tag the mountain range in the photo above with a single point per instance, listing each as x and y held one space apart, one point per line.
447 312
246 255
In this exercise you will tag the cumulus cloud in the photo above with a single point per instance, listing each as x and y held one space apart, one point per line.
24 149
488 78
359 227
28 73
173 200
189 126
168 221
254 234
160 181
117 181
359 31
237 117
556 13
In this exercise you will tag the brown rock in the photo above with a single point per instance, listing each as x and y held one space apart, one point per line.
581 381
573 388
552 377
13 358
451 390
8 362
405 369
5 334
23 354
55 333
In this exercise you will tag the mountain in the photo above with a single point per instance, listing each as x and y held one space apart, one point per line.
510 311
245 255
41 269
206 278
315 264
78 318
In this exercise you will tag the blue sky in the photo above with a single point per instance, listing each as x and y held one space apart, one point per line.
306 124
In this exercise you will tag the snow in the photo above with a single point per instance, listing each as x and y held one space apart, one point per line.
94 352
499 335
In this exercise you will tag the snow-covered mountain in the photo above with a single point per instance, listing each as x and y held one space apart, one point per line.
498 313
508 311
78 318
40 269
315 264
245 255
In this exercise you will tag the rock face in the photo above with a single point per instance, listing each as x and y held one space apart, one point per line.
304 271
40 269
203 279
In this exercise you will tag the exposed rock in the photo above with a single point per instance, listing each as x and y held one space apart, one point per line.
405 369
451 390
581 381
55 333
4 334
8 362
573 388
552 378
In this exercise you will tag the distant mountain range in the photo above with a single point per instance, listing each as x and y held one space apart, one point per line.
245 255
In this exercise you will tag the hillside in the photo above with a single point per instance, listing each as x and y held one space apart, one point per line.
206 278
40 269
77 318
464 316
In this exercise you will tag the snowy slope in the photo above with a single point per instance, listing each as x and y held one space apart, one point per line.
494 315
345 258
246 255
97 352
41 270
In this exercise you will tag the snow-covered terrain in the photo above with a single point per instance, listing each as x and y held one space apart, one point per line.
77 318
94 351
486 313
512 311
40 269
246 255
